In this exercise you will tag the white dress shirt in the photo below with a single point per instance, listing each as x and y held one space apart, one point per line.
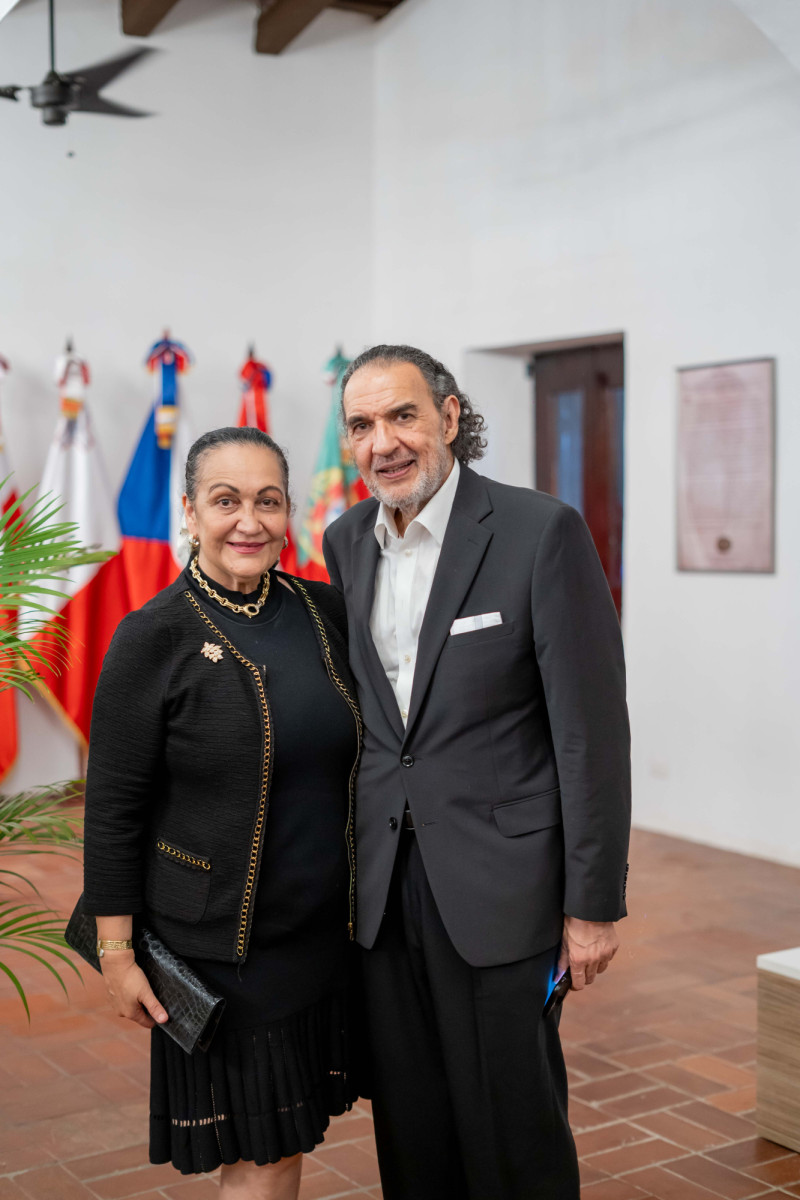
403 584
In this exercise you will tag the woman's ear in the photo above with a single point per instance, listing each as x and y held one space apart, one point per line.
188 515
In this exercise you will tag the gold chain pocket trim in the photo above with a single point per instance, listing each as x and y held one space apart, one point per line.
191 860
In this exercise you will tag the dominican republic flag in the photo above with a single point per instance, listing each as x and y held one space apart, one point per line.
97 594
8 703
335 485
149 508
256 380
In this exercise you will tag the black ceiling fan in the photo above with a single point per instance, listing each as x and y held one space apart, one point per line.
78 91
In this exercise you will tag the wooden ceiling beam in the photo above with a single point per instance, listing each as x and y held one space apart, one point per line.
370 8
140 17
281 21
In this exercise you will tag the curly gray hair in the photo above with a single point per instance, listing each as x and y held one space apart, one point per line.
469 443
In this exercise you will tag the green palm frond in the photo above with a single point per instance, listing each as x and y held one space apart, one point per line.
20 989
36 933
36 822
20 658
38 817
37 553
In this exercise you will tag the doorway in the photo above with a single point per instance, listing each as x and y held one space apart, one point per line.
579 407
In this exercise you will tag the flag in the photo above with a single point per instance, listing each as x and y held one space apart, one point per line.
8 702
97 595
149 507
256 380
335 485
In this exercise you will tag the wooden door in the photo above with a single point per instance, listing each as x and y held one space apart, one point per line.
579 423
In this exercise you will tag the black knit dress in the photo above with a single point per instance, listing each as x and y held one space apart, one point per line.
279 1064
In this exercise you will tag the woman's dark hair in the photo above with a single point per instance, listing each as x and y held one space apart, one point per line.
469 443
232 435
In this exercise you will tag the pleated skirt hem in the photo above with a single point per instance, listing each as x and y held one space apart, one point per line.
257 1095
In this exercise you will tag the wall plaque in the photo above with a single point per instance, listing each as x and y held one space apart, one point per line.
726 484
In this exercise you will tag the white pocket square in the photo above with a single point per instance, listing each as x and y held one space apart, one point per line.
467 624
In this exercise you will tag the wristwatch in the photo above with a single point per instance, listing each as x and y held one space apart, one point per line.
104 944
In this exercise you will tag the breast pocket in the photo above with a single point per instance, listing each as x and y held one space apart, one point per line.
178 882
475 637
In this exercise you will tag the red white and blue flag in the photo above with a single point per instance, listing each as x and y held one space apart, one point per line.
149 508
97 597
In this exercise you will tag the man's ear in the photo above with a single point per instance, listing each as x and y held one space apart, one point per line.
451 411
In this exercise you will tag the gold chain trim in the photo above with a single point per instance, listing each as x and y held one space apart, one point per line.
241 938
173 852
338 683
249 610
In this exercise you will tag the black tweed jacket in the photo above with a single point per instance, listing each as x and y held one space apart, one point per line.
179 770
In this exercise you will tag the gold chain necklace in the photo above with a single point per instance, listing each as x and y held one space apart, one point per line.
249 610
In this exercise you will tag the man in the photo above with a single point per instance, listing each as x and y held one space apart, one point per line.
493 798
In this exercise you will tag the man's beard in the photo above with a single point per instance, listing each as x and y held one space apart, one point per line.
429 480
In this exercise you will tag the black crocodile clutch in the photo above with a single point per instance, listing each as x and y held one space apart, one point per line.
194 1010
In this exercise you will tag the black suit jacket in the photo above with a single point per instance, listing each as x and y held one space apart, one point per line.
515 761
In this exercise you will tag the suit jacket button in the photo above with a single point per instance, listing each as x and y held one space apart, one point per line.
407 760
393 823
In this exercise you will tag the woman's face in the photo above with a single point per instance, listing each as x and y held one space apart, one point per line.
239 514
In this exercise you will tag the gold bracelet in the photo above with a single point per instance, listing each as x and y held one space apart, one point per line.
104 944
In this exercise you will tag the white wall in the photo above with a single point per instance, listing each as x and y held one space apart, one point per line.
464 176
547 170
242 211
503 392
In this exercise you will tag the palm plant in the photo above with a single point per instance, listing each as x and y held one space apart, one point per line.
34 823
36 554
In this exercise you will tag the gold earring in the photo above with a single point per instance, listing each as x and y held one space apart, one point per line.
194 542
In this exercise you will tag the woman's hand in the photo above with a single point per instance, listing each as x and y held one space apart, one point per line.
130 994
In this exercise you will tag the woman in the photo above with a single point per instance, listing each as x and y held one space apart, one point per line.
225 739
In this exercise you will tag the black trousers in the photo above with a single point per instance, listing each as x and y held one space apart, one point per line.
469 1087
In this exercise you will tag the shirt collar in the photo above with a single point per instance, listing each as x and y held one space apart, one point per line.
433 517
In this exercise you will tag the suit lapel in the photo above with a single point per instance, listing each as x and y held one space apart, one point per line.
463 548
366 553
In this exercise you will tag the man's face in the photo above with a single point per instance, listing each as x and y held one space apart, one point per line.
399 438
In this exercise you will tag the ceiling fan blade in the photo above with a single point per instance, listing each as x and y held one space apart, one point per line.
9 93
97 76
92 103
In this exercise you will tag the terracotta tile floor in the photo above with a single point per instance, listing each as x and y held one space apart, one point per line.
660 1051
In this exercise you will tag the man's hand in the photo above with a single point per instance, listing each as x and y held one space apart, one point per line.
587 947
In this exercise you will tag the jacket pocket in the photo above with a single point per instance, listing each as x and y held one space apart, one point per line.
178 882
492 633
196 862
529 814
